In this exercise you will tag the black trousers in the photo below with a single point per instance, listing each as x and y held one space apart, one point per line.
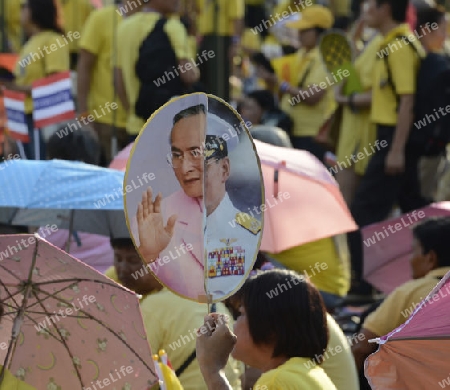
378 193
215 72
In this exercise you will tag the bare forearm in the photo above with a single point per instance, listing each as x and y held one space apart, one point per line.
84 71
308 97
404 123
120 87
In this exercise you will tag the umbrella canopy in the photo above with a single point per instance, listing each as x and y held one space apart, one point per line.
37 193
303 201
388 247
120 161
415 355
69 325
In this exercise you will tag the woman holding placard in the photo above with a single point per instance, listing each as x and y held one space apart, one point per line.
284 335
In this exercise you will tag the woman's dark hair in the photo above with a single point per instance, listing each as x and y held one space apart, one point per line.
125 242
432 235
46 14
74 143
286 310
428 14
399 9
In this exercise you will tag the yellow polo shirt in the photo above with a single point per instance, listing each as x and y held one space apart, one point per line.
37 62
404 65
332 274
13 25
339 363
171 323
296 374
400 304
74 15
132 32
307 119
229 11
357 131
10 382
98 39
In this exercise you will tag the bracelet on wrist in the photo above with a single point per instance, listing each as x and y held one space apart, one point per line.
284 87
236 40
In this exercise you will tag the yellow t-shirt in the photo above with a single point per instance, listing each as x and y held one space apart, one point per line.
254 2
229 11
338 362
98 39
44 53
400 304
13 26
74 15
323 261
132 31
404 64
309 69
296 374
10 382
357 131
171 323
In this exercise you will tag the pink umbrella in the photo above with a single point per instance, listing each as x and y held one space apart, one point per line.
388 247
65 324
120 161
415 355
303 201
303 205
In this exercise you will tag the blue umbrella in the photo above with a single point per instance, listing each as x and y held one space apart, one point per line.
72 195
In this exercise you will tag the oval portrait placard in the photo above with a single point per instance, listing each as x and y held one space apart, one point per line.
195 193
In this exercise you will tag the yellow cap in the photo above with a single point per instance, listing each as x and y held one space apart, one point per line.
311 17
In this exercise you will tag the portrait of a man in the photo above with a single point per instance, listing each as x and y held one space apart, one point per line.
192 234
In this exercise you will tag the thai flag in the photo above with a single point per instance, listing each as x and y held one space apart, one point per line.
52 100
16 124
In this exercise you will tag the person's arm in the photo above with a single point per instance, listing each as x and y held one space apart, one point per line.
120 88
395 160
190 73
356 100
363 348
86 61
214 344
308 98
12 86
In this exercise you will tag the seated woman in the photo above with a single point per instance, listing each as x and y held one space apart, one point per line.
282 334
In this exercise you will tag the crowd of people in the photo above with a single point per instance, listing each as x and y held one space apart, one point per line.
267 60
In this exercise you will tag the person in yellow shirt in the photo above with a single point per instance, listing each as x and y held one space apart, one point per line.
338 362
357 133
170 321
283 336
430 262
98 45
10 27
391 176
220 25
74 16
45 53
131 34
307 93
